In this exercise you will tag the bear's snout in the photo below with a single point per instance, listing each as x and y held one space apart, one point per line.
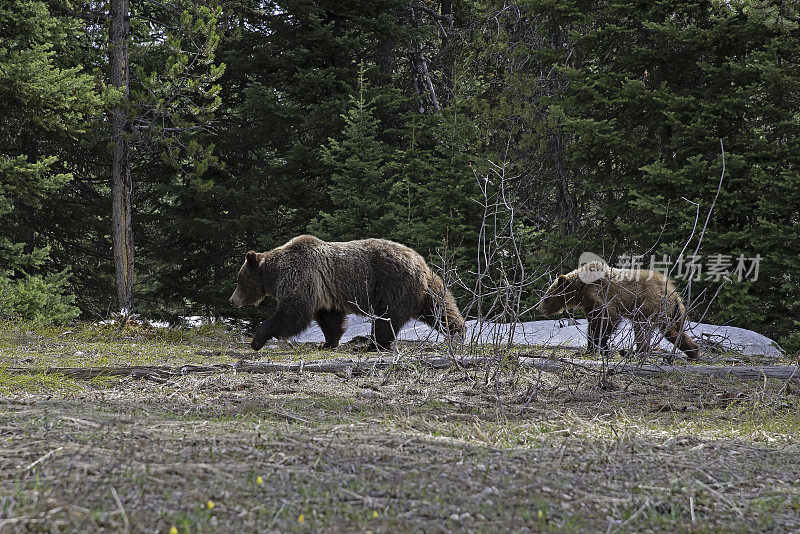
549 307
240 298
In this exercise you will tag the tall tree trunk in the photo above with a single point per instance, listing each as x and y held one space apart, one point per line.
420 64
386 50
564 200
121 225
448 53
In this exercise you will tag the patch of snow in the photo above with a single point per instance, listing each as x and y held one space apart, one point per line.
548 333
186 321
553 333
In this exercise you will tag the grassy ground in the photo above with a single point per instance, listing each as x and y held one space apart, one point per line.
408 449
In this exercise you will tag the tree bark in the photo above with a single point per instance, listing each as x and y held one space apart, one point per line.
386 44
121 224
420 64
564 200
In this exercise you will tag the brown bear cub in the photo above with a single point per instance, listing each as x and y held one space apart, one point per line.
646 298
314 279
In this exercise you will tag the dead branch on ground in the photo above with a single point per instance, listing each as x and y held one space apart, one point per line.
360 367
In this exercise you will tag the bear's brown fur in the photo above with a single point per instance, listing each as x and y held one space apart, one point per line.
314 279
607 295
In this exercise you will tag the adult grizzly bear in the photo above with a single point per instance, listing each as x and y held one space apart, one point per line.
312 278
607 295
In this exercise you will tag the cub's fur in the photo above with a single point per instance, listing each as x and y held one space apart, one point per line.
314 279
607 295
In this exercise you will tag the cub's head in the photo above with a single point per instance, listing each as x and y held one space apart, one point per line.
250 285
562 294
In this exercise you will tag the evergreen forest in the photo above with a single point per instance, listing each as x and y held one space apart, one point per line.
146 146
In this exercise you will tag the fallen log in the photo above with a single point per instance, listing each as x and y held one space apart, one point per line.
745 372
359 367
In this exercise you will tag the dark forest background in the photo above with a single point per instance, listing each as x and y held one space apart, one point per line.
570 125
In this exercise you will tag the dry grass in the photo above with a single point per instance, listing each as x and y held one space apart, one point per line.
406 449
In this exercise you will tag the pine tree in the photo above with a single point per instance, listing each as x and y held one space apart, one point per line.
177 103
173 98
652 93
45 106
286 85
359 184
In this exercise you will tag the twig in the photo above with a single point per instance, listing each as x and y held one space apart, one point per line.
275 516
42 459
713 202
121 509
721 497
786 385
288 416
633 517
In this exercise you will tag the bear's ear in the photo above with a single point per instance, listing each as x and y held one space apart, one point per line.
252 258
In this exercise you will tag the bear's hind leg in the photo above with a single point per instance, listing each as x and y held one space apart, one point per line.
332 323
608 328
642 336
384 332
601 326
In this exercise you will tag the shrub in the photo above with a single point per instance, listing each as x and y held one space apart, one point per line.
39 299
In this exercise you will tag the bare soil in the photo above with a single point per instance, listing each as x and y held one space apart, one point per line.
401 450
